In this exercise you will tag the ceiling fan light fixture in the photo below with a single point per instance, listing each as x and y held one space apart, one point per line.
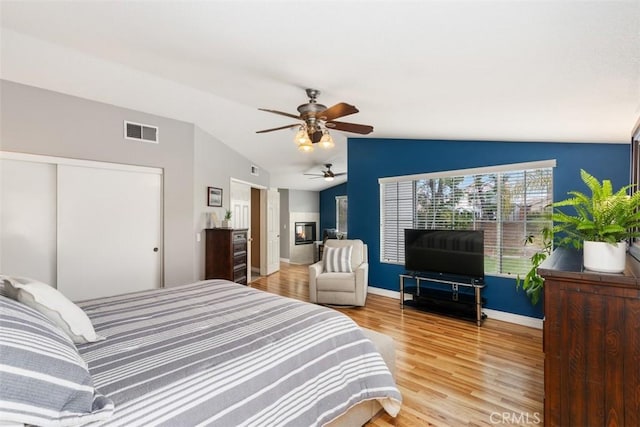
301 137
316 118
326 141
306 146
328 178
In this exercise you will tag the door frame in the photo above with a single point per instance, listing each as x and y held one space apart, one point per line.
263 223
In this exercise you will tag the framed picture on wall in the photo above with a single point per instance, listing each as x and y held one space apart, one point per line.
214 196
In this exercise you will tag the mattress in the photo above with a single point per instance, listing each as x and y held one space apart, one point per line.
222 354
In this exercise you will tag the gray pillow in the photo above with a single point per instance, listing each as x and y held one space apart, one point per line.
337 260
44 379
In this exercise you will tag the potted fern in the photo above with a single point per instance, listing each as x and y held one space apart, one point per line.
601 224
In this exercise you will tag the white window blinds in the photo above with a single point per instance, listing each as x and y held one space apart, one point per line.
396 215
508 202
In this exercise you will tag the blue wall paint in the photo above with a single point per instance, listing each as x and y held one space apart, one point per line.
328 206
370 159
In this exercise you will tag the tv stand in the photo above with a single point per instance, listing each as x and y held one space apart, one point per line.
450 301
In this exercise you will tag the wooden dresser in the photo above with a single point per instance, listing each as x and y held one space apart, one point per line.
591 343
226 254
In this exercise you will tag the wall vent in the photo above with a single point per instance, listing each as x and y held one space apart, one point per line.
140 132
255 170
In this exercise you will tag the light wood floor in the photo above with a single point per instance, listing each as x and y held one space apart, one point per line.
450 372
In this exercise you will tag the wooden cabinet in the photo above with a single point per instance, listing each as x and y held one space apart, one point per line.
591 343
226 254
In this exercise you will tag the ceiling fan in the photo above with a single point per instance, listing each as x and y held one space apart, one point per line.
317 119
327 174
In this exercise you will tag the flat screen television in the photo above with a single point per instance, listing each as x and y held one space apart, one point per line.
445 252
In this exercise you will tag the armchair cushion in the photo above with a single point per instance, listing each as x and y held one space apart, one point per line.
337 282
338 260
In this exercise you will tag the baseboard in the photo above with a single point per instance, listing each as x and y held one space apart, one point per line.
284 260
383 292
532 322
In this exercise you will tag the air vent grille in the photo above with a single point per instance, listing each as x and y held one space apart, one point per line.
140 132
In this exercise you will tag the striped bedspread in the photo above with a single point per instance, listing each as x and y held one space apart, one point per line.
221 354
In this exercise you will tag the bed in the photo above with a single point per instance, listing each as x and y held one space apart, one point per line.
222 354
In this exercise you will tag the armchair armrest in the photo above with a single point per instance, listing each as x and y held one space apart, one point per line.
314 271
362 282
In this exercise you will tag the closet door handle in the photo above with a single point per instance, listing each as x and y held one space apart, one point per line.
155 249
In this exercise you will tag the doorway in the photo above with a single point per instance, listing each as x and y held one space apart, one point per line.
257 209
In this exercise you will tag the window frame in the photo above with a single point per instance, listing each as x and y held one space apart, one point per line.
338 200
513 167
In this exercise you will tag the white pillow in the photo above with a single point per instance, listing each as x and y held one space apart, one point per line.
54 306
6 290
337 260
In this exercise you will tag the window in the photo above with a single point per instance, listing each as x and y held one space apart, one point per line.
508 202
341 214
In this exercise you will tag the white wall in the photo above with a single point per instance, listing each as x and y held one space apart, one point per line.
304 201
214 164
297 206
38 121
301 254
284 223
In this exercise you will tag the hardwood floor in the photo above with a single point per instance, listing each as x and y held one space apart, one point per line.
450 372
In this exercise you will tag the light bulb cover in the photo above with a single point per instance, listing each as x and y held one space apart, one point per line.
326 141
306 146
328 178
301 137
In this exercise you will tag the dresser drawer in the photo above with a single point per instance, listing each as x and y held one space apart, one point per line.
239 237
240 275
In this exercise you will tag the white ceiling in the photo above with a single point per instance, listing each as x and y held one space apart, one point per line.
480 70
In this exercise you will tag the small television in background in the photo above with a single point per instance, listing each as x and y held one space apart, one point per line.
445 252
329 233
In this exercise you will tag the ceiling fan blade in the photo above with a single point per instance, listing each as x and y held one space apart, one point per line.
339 174
314 174
350 127
293 116
339 110
281 127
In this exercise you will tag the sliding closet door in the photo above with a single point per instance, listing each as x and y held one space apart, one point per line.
109 231
28 220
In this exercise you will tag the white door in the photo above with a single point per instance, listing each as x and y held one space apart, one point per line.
273 231
240 200
28 220
109 231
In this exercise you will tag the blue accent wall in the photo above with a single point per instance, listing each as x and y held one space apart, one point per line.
328 207
370 159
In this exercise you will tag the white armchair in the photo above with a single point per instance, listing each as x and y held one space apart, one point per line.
341 288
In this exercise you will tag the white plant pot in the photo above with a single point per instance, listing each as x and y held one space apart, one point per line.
226 224
605 257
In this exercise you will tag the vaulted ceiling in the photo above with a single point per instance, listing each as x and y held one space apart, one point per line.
476 70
